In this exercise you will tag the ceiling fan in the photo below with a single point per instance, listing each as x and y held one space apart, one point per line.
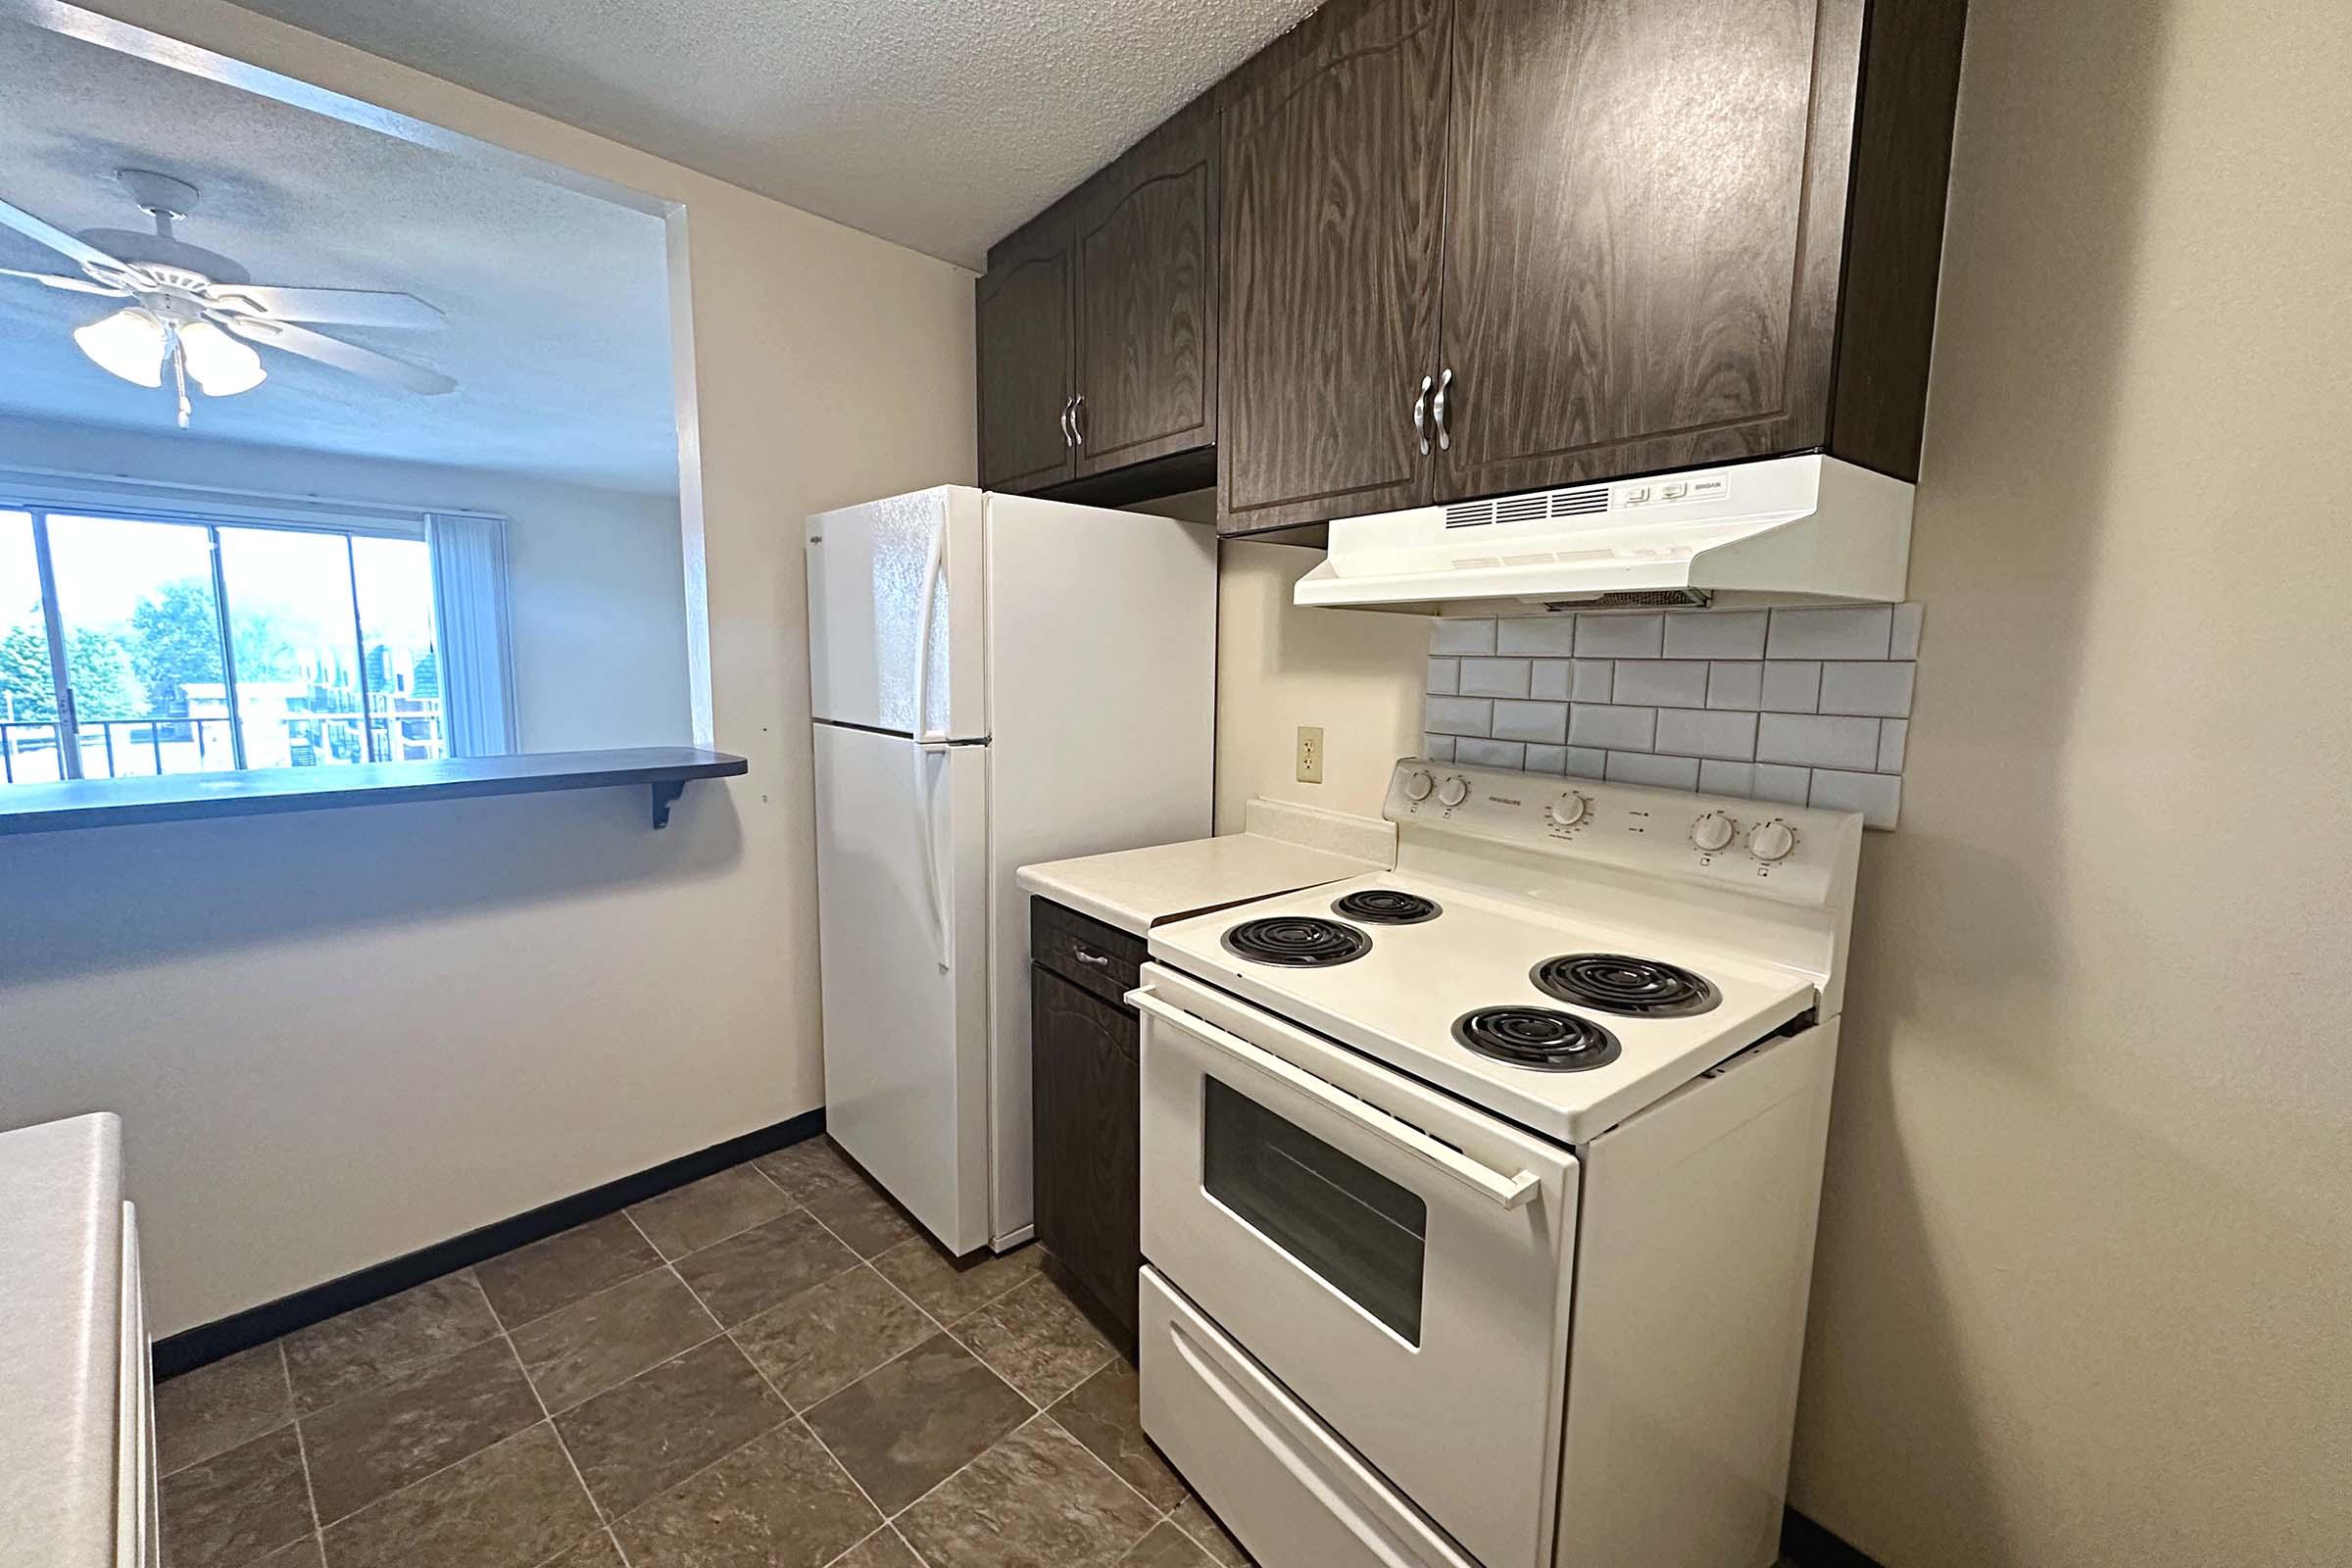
194 313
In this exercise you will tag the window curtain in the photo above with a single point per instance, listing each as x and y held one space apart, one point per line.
470 635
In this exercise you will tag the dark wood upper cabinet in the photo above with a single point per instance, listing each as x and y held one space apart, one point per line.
1146 297
1022 325
1645 199
1334 143
1617 237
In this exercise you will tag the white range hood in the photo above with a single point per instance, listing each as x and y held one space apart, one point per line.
1784 530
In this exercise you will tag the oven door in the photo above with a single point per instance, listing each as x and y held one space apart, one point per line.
1398 1260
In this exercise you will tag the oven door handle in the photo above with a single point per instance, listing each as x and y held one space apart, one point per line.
1504 1191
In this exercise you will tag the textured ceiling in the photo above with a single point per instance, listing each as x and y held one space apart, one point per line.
939 124
556 301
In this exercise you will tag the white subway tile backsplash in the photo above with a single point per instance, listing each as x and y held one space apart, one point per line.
1620 636
1495 678
1818 741
1490 754
1706 732
1783 786
1661 682
1904 643
1856 631
1716 634
1791 686
1617 730
1462 637
1458 715
1879 689
1734 685
1797 705
1663 772
1879 797
1540 636
1547 722
1727 778
1893 734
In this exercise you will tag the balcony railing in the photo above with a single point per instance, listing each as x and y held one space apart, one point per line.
125 748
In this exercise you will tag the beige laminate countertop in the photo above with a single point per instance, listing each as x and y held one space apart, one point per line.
1136 889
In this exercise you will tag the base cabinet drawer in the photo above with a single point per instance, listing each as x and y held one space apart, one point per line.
1290 1490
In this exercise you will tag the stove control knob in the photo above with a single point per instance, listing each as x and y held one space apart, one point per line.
1772 841
1568 810
1454 791
1713 831
1418 783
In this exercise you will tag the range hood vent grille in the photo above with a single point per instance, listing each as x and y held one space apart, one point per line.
1531 508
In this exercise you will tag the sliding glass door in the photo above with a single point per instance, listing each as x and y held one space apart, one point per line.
142 646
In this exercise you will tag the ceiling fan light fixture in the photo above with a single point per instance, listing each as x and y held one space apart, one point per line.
220 365
129 344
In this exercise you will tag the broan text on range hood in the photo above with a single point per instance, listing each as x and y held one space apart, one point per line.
1784 530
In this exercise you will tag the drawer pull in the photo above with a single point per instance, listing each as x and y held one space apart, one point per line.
1088 956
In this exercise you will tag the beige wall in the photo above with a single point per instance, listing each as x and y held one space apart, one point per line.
337 1037
1356 673
2085 1269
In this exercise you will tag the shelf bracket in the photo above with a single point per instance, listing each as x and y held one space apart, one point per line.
666 795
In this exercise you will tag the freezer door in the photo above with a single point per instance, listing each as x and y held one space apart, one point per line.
877 642
901 916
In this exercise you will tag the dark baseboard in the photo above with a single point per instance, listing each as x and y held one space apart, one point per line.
190 1349
1816 1545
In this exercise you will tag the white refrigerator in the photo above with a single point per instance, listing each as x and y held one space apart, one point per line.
996 680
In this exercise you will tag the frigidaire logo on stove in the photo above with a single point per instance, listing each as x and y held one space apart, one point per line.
1503 800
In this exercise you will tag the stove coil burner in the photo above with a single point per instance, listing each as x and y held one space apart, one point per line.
1386 906
1542 1038
1636 988
1296 942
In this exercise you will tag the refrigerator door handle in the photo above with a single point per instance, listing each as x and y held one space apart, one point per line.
925 743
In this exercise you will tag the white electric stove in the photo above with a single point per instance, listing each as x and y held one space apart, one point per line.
1479 1195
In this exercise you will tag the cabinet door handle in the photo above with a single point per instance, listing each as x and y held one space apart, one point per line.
1078 419
1091 958
1069 437
1421 414
1437 410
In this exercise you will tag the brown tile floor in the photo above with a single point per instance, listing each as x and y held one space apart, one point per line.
769 1368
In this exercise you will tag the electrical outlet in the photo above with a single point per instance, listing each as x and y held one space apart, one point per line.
1310 754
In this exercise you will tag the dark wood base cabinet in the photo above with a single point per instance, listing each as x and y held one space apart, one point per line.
1086 1105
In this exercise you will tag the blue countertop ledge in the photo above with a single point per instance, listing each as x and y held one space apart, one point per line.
264 791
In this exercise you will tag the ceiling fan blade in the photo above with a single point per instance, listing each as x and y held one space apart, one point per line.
58 240
360 362
335 307
76 285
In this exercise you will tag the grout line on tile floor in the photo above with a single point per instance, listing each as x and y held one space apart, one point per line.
549 1416
302 1452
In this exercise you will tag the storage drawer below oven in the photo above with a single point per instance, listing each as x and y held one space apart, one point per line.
1290 1490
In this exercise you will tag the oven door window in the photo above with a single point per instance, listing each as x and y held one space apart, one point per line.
1362 1234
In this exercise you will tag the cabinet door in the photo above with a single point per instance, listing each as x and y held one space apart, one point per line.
1642 234
1022 307
1087 1100
1332 161
1145 317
